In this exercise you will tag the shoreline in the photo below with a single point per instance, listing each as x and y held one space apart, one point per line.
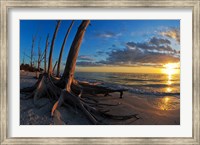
152 110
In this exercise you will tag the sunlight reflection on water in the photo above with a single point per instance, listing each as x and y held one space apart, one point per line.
165 103
169 82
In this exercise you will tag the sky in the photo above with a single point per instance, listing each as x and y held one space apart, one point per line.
140 46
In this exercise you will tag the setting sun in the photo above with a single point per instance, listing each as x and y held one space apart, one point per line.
171 68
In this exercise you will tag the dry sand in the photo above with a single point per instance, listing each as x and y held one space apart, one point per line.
151 110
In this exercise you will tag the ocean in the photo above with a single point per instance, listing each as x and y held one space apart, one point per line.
148 84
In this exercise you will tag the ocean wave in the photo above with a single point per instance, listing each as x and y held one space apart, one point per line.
155 85
147 87
140 91
155 93
146 80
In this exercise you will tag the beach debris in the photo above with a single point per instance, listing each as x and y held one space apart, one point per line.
95 89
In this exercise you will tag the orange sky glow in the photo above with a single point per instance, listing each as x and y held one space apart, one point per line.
167 69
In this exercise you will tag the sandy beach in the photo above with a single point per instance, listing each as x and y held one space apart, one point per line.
152 110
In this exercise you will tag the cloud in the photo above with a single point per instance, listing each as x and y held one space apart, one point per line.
159 41
108 34
130 57
172 33
155 51
85 58
148 46
86 63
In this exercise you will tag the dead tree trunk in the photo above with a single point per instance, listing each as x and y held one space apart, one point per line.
46 88
50 70
68 96
39 60
32 51
23 62
73 54
62 48
45 54
68 74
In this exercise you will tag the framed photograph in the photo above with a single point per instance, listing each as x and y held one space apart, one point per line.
100 72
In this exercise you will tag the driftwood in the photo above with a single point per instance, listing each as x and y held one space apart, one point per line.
88 109
95 89
66 90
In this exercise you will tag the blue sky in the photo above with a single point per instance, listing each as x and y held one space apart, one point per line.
109 42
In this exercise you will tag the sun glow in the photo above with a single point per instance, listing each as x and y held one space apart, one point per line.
171 68
168 89
164 104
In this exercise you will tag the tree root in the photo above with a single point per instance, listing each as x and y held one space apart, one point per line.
93 113
45 89
29 89
93 88
57 119
32 88
78 88
98 104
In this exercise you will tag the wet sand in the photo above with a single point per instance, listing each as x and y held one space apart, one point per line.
151 110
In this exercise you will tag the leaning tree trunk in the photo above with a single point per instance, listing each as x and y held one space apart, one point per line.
68 74
50 69
68 96
73 54
46 88
62 48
